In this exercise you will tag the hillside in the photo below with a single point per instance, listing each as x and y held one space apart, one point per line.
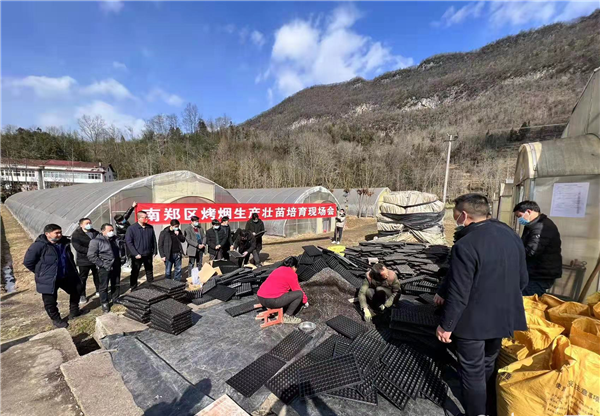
534 76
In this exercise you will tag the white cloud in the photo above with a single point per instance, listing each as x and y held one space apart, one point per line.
160 94
111 115
452 16
257 38
44 87
53 119
111 6
307 53
119 65
575 9
108 87
517 14
243 34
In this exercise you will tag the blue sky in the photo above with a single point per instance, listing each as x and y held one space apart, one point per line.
128 61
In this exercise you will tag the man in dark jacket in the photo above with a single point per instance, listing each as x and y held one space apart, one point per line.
244 243
542 247
141 243
481 297
257 227
51 259
104 253
121 225
170 249
227 230
81 240
194 235
215 238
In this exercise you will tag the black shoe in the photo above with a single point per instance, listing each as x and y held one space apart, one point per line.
105 308
60 324
74 314
134 287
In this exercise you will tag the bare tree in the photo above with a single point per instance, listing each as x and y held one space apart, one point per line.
190 118
93 130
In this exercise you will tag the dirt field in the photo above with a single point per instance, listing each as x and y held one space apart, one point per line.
23 314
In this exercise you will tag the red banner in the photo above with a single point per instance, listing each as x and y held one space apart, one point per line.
164 213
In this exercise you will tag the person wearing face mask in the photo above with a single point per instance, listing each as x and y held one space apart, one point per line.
170 249
51 260
245 244
541 239
340 223
121 225
481 299
104 253
80 239
141 243
257 227
215 238
194 235
227 244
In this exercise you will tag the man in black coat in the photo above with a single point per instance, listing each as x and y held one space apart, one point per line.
104 253
171 250
227 230
245 244
542 247
481 298
121 225
51 259
141 243
257 227
215 238
81 241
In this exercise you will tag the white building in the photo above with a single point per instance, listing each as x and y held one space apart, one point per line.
30 174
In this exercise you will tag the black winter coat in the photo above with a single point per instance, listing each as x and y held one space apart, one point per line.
227 230
121 229
165 242
256 228
482 290
542 247
141 240
41 259
211 240
81 243
244 246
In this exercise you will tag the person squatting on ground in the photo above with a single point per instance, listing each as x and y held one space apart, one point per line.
141 242
257 227
171 250
542 247
81 240
282 290
340 223
51 260
380 289
244 243
121 225
215 238
481 299
104 253
194 235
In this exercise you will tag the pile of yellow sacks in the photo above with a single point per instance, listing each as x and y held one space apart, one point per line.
553 368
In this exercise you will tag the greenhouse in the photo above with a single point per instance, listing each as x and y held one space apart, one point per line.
101 201
361 205
563 177
288 228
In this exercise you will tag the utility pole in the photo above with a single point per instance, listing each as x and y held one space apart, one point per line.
451 138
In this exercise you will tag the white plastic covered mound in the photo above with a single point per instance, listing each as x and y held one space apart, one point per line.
404 203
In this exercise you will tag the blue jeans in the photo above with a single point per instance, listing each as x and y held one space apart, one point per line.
174 260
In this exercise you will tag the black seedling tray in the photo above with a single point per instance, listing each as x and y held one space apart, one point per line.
305 259
235 285
204 299
341 348
291 345
138 318
312 251
405 269
223 293
391 392
332 262
415 316
168 284
285 384
427 298
434 388
168 331
253 376
346 326
324 350
367 349
349 393
328 375
427 284
147 295
243 289
366 387
208 285
349 277
242 309
170 308
413 289
406 372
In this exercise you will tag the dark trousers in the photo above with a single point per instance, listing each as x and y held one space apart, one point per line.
136 265
217 255
84 272
538 287
477 362
69 285
337 233
195 261
244 260
112 277
378 296
290 299
173 262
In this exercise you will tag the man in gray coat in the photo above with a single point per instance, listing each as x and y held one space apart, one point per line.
104 252
196 241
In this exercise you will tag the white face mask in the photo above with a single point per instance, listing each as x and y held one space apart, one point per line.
458 224
195 224
216 227
110 234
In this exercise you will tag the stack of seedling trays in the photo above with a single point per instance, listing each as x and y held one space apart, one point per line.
139 302
170 316
173 289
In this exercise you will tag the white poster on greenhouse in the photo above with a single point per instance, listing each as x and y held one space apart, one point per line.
569 199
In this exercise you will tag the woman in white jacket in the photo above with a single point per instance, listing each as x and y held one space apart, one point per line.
340 223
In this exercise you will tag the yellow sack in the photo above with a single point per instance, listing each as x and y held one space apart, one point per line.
560 380
533 306
551 301
539 335
596 310
510 352
592 299
585 333
566 313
